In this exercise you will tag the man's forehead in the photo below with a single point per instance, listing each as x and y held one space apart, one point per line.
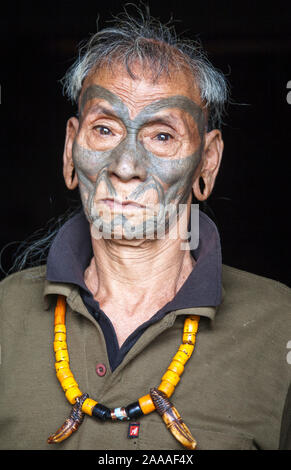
146 114
136 93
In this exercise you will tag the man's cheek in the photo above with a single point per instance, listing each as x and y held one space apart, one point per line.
178 177
86 196
88 161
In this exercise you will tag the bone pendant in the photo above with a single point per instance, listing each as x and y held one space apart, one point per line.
172 419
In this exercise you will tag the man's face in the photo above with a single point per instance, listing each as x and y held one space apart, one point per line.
136 150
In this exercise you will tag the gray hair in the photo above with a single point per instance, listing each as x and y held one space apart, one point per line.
156 46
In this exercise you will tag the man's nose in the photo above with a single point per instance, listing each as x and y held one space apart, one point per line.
129 163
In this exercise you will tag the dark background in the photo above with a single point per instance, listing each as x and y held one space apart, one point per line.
249 41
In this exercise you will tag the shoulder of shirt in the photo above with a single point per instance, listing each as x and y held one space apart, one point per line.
23 287
29 275
239 281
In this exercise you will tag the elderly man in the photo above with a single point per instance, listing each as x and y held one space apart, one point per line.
126 331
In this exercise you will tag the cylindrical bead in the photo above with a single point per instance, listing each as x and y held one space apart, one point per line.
171 377
63 374
177 367
61 365
60 328
102 412
191 326
134 410
167 388
58 318
60 337
146 404
187 349
120 414
60 310
189 338
180 357
72 394
62 355
88 406
60 345
69 383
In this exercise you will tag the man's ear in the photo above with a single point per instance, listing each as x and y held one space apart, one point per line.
209 165
70 175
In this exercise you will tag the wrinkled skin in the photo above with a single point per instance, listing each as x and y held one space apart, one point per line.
166 179
138 147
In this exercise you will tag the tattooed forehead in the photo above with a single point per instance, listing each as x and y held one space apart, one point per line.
120 109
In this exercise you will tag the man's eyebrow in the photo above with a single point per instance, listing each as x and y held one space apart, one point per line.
101 109
168 120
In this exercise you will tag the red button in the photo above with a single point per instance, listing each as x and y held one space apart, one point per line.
100 370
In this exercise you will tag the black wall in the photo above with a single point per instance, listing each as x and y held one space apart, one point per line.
248 41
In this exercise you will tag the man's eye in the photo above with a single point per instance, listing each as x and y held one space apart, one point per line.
103 130
164 137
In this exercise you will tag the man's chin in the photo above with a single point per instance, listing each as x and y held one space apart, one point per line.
126 231
130 227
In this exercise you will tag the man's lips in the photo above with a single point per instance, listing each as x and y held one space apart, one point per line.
115 204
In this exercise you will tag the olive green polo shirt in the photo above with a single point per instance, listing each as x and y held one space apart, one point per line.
231 395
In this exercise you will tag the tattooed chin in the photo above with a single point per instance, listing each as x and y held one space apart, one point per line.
134 226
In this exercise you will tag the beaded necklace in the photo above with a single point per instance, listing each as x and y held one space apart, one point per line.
157 399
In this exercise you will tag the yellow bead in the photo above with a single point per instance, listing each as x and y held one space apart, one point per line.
60 328
62 355
187 349
64 374
69 383
190 326
88 406
146 404
189 338
60 310
177 367
167 388
60 345
60 317
171 377
62 365
60 337
72 394
180 357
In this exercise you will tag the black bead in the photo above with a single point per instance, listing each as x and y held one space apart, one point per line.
101 412
133 410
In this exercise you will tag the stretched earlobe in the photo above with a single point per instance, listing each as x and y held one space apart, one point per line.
70 175
201 184
200 188
72 181
210 162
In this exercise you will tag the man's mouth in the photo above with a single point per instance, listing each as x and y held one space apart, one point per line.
121 205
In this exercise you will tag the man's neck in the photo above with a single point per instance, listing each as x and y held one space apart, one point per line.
133 281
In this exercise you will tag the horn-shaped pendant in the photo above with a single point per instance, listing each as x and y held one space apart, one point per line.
172 419
72 422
